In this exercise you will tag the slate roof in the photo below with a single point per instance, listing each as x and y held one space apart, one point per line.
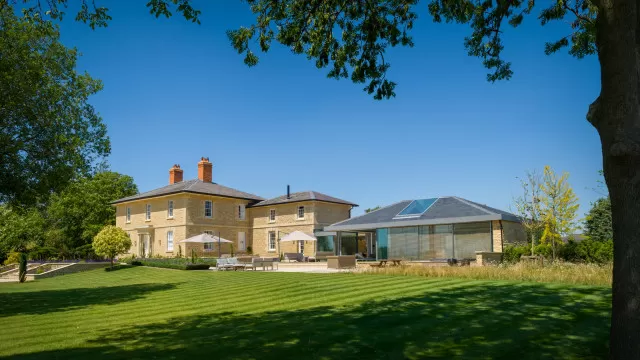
445 210
195 186
303 196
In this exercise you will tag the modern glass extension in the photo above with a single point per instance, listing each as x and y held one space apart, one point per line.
426 242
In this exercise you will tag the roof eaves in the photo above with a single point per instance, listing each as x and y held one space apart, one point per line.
416 222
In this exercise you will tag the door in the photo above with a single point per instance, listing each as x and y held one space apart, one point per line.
146 245
301 247
242 241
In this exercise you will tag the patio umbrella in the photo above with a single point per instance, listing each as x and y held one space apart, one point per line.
207 238
298 236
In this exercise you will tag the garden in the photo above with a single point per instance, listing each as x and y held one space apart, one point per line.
142 312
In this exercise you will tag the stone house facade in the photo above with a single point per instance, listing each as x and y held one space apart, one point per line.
159 219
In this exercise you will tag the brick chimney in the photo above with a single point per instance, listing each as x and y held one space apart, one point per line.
205 170
175 174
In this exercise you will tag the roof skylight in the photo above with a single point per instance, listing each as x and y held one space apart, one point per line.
416 208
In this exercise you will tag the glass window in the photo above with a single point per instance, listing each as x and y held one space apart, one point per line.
404 243
208 246
272 241
241 211
169 240
436 242
272 215
148 212
471 237
416 208
128 214
170 209
325 243
382 238
348 243
300 212
208 208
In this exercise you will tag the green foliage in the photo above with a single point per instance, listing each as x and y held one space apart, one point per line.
513 253
178 264
81 210
50 133
545 250
111 241
249 250
598 223
12 258
43 253
22 270
117 267
371 209
558 209
20 228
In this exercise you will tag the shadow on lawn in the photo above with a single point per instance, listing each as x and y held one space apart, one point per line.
481 321
43 302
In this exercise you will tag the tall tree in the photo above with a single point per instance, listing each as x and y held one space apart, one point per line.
528 206
559 205
598 221
351 38
79 212
49 133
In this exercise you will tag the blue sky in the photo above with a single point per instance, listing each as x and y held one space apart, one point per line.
175 91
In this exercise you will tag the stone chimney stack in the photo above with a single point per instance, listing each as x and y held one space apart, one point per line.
205 170
175 174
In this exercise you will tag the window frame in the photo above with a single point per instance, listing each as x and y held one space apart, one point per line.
127 215
269 248
170 243
298 212
147 212
210 232
170 209
272 219
210 209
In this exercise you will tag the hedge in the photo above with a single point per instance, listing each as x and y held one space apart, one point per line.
168 265
585 251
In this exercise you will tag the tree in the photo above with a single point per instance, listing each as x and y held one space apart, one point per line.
528 206
559 207
111 241
48 131
366 211
21 229
598 222
80 211
607 28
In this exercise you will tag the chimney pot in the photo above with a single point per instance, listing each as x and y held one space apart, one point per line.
205 170
288 192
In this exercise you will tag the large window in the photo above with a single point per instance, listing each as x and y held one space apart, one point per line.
403 243
128 214
272 241
382 238
348 243
272 215
436 242
208 209
170 209
241 212
325 243
148 212
169 240
471 237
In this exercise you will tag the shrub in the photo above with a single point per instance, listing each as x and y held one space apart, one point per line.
85 252
249 250
136 263
197 267
595 251
544 250
175 263
513 253
13 258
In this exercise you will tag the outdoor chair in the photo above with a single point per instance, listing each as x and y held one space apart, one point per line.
223 264
294 257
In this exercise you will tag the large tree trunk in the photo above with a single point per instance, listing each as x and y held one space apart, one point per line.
616 116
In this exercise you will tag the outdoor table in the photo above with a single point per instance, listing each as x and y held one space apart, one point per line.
396 262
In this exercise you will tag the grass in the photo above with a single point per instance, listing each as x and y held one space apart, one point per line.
565 273
160 313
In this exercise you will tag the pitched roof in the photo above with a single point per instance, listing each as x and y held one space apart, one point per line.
303 196
444 210
195 186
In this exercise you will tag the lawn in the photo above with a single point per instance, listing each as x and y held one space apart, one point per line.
160 313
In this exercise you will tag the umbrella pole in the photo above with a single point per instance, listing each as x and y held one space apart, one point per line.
219 251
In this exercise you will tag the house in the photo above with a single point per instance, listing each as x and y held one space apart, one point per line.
425 229
159 219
